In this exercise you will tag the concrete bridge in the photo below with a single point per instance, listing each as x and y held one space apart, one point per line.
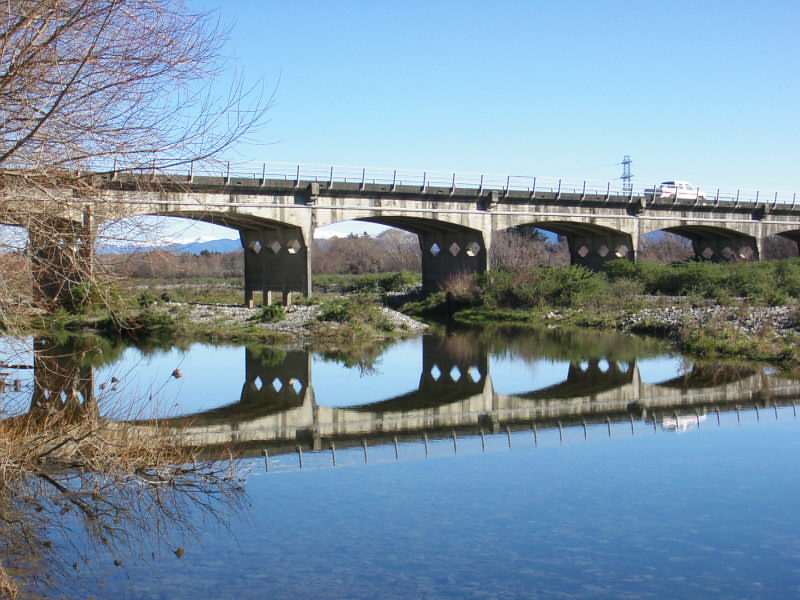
455 218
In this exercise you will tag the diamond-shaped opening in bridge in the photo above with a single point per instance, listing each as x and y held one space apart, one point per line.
258 383
584 365
436 372
79 396
455 374
707 253
728 253
622 251
296 385
277 384
473 249
63 395
474 373
604 366
603 250
622 367
255 246
583 252
746 253
454 249
46 394
435 250
293 247
275 247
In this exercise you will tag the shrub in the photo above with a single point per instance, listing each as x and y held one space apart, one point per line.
359 312
272 314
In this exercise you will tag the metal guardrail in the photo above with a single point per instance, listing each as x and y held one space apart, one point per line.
293 172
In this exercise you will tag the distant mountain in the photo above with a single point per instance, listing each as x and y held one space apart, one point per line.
198 246
222 246
177 247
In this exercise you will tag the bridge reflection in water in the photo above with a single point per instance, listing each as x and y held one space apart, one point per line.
278 411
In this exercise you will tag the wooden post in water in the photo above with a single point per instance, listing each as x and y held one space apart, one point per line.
300 456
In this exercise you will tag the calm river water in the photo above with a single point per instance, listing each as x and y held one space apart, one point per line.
477 464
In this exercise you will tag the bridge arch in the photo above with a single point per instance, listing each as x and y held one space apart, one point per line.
790 234
446 248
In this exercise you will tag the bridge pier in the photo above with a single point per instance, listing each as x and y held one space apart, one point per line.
446 253
733 248
62 260
276 259
276 379
593 250
62 385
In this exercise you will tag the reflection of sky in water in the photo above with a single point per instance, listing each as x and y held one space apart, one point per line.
662 368
513 375
212 376
14 351
397 371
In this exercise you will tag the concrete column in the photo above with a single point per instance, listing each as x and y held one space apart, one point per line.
62 260
453 368
728 248
62 384
594 250
448 253
276 260
276 379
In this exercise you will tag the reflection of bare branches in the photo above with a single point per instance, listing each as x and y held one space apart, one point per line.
133 492
363 356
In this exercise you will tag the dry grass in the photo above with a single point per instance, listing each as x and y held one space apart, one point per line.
123 483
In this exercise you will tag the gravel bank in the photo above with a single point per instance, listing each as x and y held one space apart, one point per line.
297 317
749 320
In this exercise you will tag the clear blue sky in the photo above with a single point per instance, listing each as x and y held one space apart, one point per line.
705 91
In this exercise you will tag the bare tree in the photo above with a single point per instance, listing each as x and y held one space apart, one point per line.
87 84
85 80
515 250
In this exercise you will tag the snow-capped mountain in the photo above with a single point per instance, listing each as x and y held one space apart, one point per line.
177 246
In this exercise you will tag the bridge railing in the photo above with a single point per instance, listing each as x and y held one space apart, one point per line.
397 178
